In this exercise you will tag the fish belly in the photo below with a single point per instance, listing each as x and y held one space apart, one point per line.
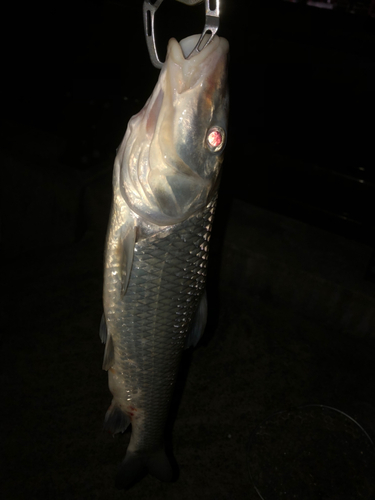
166 283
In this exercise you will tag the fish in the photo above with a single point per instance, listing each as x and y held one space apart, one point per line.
165 182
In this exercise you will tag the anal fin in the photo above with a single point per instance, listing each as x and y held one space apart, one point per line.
115 419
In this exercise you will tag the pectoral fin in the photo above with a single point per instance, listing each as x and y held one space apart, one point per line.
103 330
109 354
119 261
127 252
119 257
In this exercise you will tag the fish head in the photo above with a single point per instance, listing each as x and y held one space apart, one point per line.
170 158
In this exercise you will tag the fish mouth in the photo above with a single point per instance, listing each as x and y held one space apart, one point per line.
199 64
189 43
182 50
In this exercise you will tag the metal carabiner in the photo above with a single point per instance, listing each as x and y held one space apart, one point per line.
210 28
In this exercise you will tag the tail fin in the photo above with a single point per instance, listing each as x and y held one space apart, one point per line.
136 465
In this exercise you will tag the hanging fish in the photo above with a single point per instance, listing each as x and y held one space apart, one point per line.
165 182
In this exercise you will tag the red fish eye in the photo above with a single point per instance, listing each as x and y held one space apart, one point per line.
215 139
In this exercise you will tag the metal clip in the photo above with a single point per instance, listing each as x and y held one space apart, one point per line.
210 28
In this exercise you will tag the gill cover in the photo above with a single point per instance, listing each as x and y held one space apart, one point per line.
170 157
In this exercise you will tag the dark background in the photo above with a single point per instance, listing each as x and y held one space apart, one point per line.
291 282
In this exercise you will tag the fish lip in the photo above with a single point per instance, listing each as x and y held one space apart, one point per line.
178 51
182 75
190 68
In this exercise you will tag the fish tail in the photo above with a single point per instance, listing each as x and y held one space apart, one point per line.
137 465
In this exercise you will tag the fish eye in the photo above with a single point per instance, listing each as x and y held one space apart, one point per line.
215 139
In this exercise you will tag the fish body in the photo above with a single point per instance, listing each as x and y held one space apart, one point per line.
165 182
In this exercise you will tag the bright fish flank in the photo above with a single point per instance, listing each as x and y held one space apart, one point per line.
165 182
